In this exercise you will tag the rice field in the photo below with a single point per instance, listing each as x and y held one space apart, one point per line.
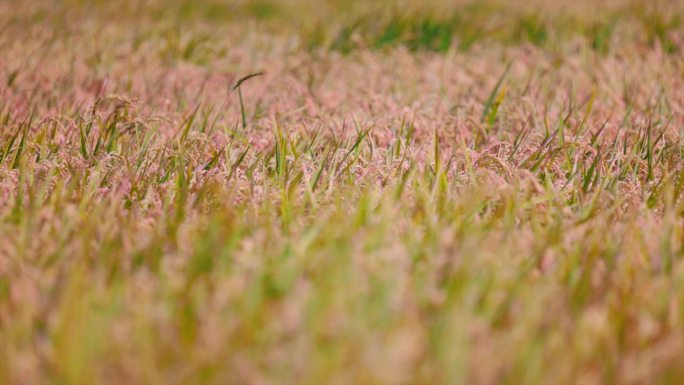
337 192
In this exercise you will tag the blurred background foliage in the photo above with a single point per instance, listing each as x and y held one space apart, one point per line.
347 26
